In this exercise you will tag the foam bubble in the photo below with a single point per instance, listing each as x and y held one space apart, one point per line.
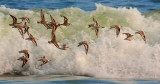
108 56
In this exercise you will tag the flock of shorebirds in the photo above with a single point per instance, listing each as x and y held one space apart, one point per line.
23 28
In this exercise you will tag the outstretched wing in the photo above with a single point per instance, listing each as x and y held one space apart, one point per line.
97 32
52 19
21 32
95 22
27 55
65 19
26 30
55 43
117 31
33 40
14 19
54 26
127 34
22 51
46 25
86 48
143 36
53 36
42 16
44 62
80 43
28 20
54 40
24 62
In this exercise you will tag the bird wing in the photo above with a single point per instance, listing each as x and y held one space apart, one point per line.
97 32
28 33
53 36
52 33
80 43
54 26
46 25
95 22
117 31
27 55
128 34
143 36
26 30
44 62
42 16
54 40
21 31
28 20
86 48
52 19
24 62
55 43
22 51
65 19
14 19
33 40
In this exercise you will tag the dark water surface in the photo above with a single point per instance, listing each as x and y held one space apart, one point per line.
65 79
87 5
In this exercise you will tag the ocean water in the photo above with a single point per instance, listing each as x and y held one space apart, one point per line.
110 60
87 5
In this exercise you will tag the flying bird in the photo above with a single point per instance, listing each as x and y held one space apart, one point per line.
129 36
85 43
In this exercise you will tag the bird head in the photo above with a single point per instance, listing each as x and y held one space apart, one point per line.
136 32
50 42
102 27
38 22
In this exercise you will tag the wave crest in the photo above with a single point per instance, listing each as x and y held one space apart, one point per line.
108 56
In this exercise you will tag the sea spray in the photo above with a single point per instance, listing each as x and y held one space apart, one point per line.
108 56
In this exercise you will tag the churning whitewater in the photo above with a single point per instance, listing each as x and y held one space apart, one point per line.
108 56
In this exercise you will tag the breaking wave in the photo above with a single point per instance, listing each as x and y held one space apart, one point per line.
108 56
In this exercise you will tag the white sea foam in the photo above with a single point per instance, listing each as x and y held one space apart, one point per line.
108 56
